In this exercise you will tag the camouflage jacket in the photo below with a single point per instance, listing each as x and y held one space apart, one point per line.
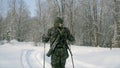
53 33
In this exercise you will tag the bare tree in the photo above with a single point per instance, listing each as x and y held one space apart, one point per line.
11 17
22 18
1 28
16 20
41 20
117 22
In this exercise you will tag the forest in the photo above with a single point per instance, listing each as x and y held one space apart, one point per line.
92 22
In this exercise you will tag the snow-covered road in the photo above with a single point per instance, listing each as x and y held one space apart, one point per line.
25 55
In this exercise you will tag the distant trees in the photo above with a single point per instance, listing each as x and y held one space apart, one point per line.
22 21
16 20
11 19
39 25
92 22
86 19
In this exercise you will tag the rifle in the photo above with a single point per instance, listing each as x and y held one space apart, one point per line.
52 48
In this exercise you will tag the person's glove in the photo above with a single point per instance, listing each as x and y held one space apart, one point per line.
43 38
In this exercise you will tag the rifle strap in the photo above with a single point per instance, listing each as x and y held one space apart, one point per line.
56 37
60 31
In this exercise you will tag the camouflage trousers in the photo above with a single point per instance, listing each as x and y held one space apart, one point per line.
58 58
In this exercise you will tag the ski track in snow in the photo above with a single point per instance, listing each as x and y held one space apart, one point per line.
32 59
28 59
25 59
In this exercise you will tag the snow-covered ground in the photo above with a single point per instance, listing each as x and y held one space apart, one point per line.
25 55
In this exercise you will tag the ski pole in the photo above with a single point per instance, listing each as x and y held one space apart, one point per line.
71 57
44 57
44 49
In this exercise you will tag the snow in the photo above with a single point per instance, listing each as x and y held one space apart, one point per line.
24 55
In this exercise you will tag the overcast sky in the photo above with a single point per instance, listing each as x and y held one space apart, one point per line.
31 4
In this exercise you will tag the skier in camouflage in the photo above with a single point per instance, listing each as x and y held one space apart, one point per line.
60 54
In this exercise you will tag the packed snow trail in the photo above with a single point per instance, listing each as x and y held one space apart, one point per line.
33 59
25 55
28 59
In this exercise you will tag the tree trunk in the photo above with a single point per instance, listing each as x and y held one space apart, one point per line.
117 22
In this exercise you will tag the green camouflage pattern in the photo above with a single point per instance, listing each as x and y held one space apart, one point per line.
58 59
60 54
